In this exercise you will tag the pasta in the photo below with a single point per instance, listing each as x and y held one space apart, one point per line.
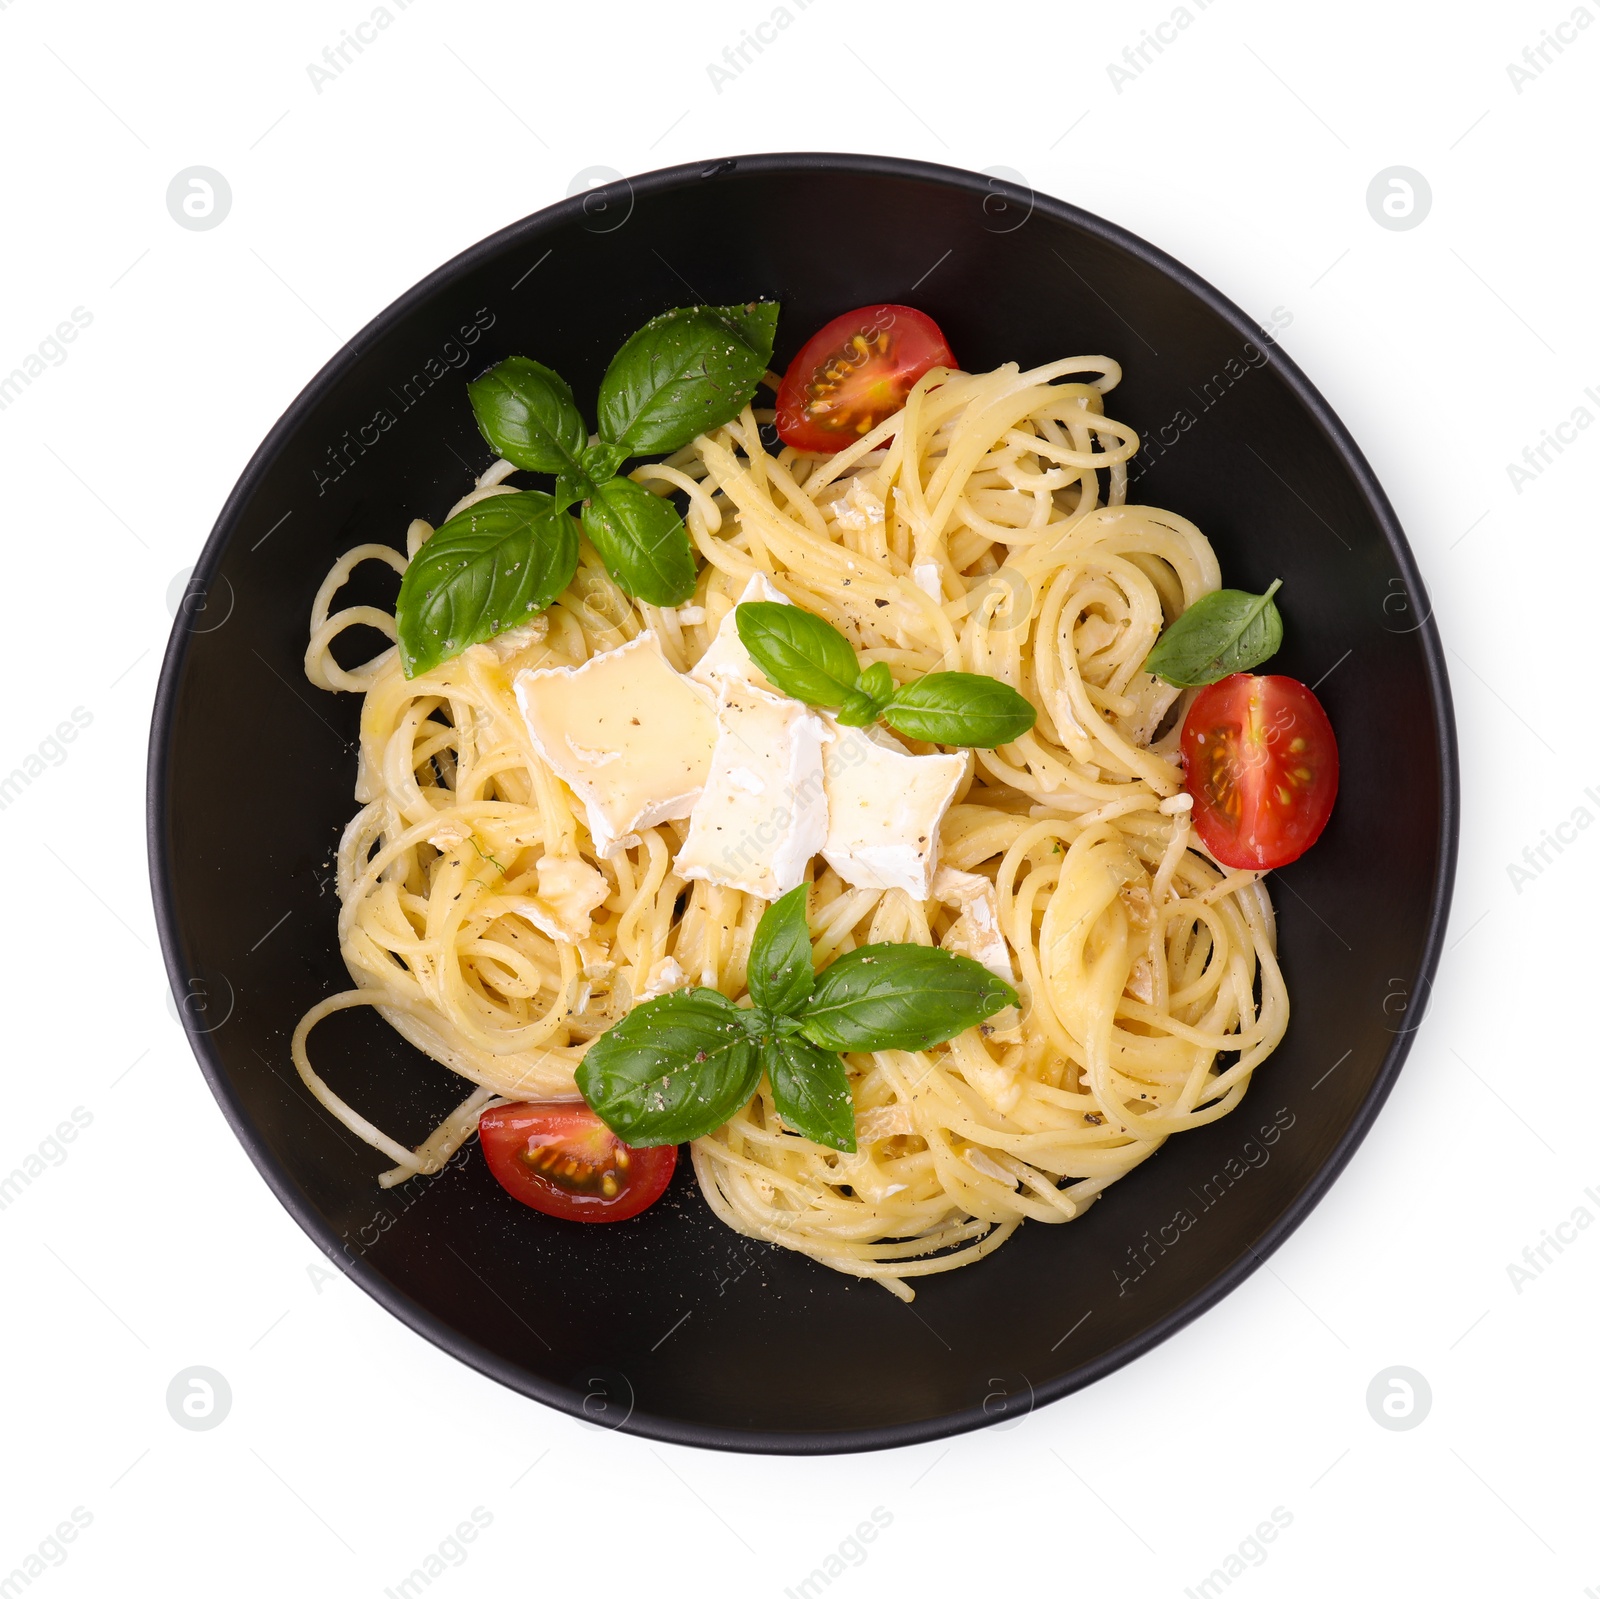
982 529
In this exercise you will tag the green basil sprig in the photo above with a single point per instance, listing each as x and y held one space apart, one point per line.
1226 632
486 570
677 1067
811 660
682 373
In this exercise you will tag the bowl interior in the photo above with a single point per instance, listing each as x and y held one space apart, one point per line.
671 1323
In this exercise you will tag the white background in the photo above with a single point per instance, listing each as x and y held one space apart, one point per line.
1245 148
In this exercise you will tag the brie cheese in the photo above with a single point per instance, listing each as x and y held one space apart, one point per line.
665 976
884 809
629 735
571 890
764 812
727 658
976 930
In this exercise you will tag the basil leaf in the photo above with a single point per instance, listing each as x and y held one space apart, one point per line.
857 710
600 461
484 571
642 540
877 683
572 486
864 704
779 973
900 996
811 1091
527 413
684 373
757 322
960 708
803 656
757 1022
672 1069
1223 633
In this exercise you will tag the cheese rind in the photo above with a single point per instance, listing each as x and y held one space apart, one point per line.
764 812
726 657
629 735
884 809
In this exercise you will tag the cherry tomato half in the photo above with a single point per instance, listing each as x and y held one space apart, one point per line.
563 1160
854 373
1262 765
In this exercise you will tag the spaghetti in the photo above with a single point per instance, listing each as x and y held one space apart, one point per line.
983 529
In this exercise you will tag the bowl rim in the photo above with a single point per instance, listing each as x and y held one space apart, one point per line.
671 1429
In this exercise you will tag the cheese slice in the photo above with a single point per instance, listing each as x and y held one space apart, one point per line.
976 930
884 809
726 657
764 812
629 735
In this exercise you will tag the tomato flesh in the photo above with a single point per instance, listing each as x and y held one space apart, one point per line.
1262 766
855 372
561 1159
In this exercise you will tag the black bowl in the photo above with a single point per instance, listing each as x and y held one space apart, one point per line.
671 1326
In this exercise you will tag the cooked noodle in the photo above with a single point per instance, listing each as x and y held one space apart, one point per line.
1151 988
